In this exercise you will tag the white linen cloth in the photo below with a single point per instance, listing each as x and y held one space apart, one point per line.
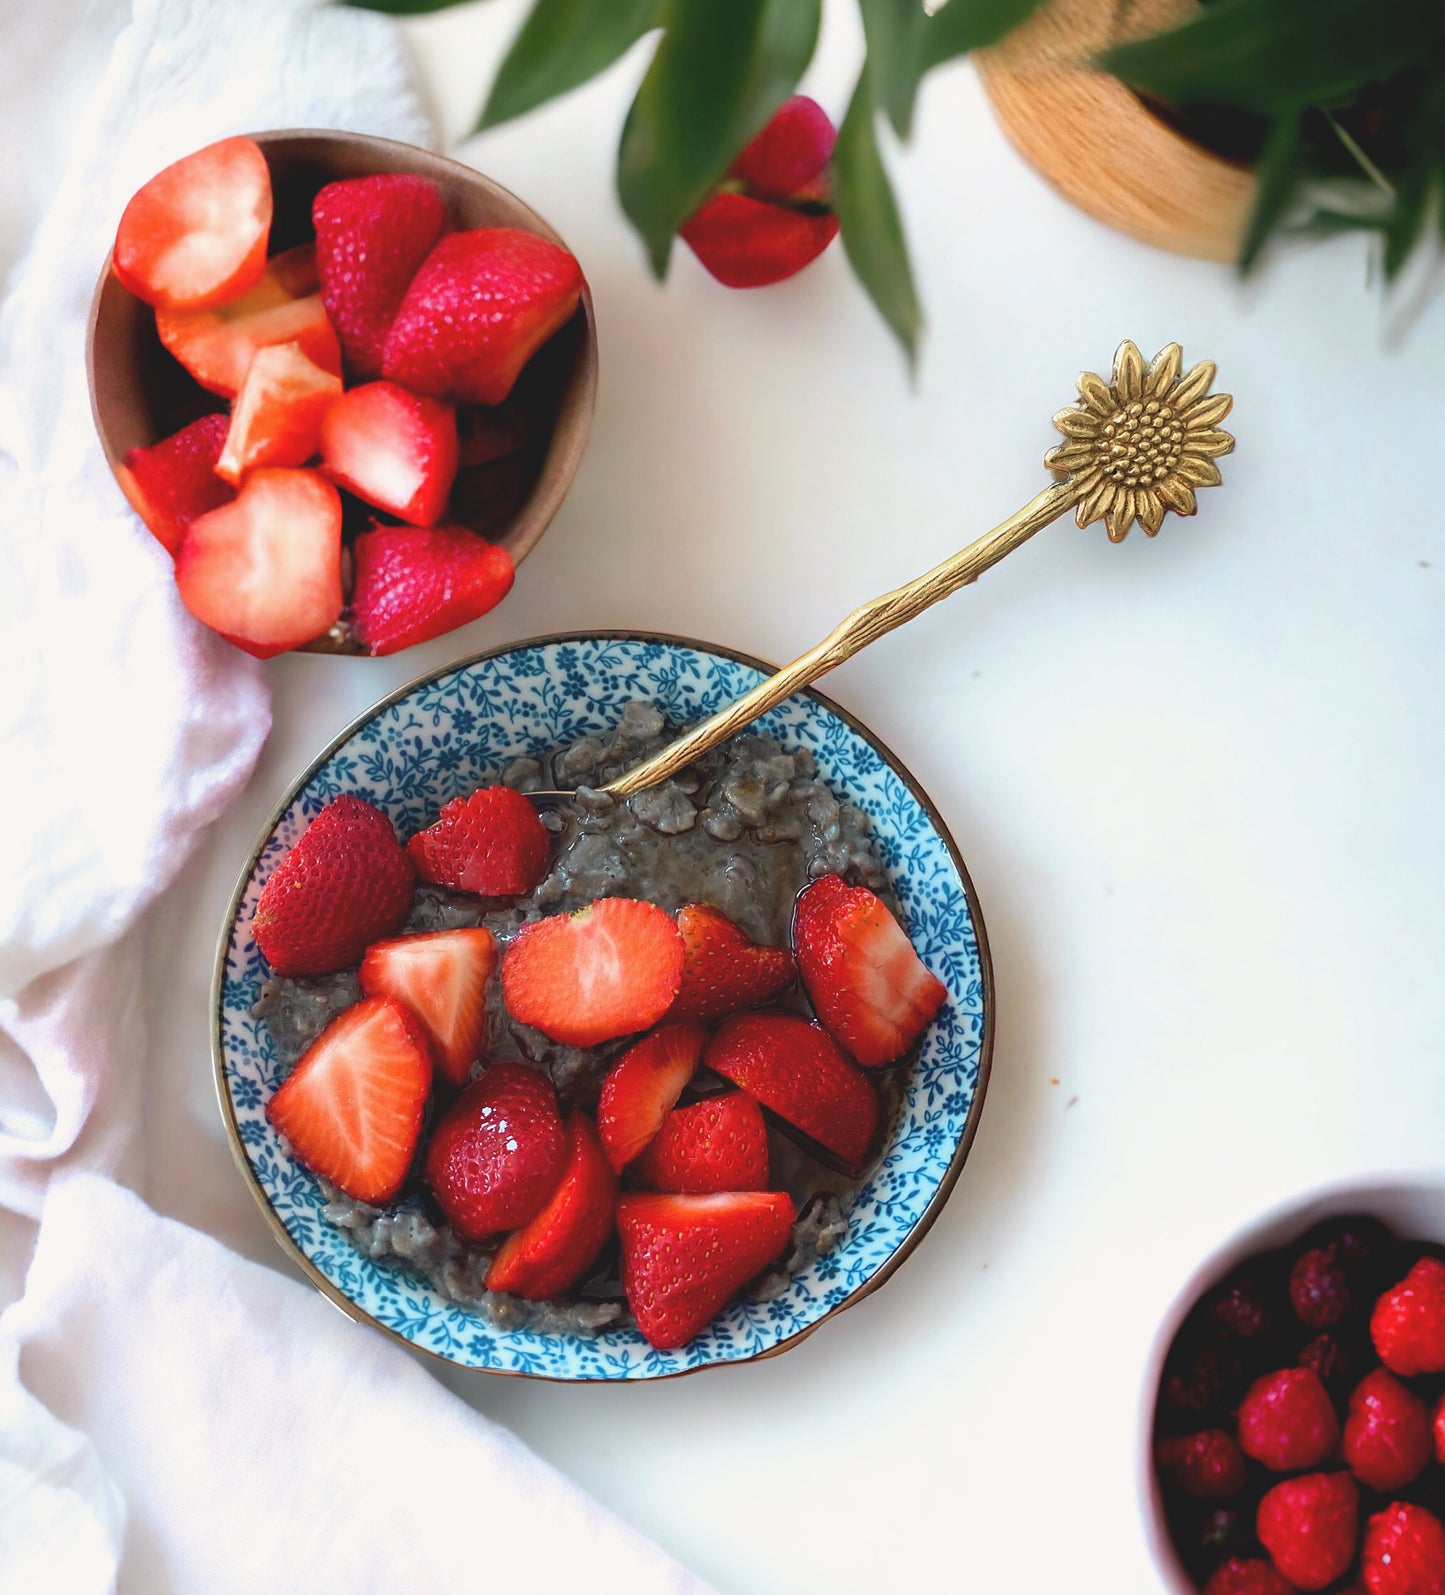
175 1420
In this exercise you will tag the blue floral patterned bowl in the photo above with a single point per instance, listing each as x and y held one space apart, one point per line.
448 733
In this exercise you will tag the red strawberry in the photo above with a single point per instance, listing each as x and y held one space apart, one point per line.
442 978
1241 1576
481 306
1404 1552
371 235
1310 1526
720 1144
277 416
489 433
345 882
413 583
722 971
794 1068
1208 1465
642 1086
217 346
1286 1420
685 1257
608 970
749 243
497 1154
491 843
172 482
1387 1433
195 234
394 449
552 1253
352 1107
265 570
790 151
1408 1323
869 988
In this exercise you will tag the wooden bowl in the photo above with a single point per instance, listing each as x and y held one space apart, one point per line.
140 394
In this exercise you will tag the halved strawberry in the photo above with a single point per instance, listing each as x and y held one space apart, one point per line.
552 1253
195 234
352 1107
719 1144
751 243
490 842
172 482
867 984
265 570
722 971
642 1086
414 583
395 449
217 346
441 977
795 1069
611 969
685 1257
496 1155
277 416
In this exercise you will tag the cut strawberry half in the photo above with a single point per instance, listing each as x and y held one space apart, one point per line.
552 1253
395 449
611 969
490 842
751 243
642 1086
685 1257
722 971
441 977
352 1107
195 234
172 482
719 1144
414 583
867 984
795 1069
277 416
217 346
265 570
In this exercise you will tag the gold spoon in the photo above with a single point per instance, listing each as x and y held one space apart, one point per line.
1134 448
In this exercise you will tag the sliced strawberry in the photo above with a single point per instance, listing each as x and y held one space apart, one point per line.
442 978
720 1144
217 346
608 970
491 843
488 433
394 449
685 1257
642 1086
414 583
795 1069
722 971
552 1253
497 1154
750 243
371 235
352 1107
265 570
277 416
867 985
481 306
172 482
195 234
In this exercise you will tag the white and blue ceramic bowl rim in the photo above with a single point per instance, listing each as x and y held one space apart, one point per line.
647 1364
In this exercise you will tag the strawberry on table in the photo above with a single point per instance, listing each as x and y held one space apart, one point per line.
352 1107
1387 1433
553 1253
397 450
685 1257
490 842
441 976
719 1144
722 971
790 152
748 243
642 1086
1404 1551
277 416
172 482
413 583
1310 1526
611 969
868 986
1408 1323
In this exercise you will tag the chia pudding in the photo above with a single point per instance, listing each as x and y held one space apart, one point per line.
743 830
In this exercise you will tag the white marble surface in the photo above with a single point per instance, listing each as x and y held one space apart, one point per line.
1197 781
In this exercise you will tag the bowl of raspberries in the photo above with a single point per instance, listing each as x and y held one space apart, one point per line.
1295 1404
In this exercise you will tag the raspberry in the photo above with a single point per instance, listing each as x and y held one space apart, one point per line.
1319 1288
1404 1552
1251 1576
1387 1433
1286 1421
1309 1526
1408 1323
1207 1465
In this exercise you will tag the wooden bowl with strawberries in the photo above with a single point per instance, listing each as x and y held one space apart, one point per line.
347 418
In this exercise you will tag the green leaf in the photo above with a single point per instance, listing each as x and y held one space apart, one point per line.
1277 175
562 44
894 32
403 8
963 25
871 227
723 67
1421 184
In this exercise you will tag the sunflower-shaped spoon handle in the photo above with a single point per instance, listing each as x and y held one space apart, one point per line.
1134 449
